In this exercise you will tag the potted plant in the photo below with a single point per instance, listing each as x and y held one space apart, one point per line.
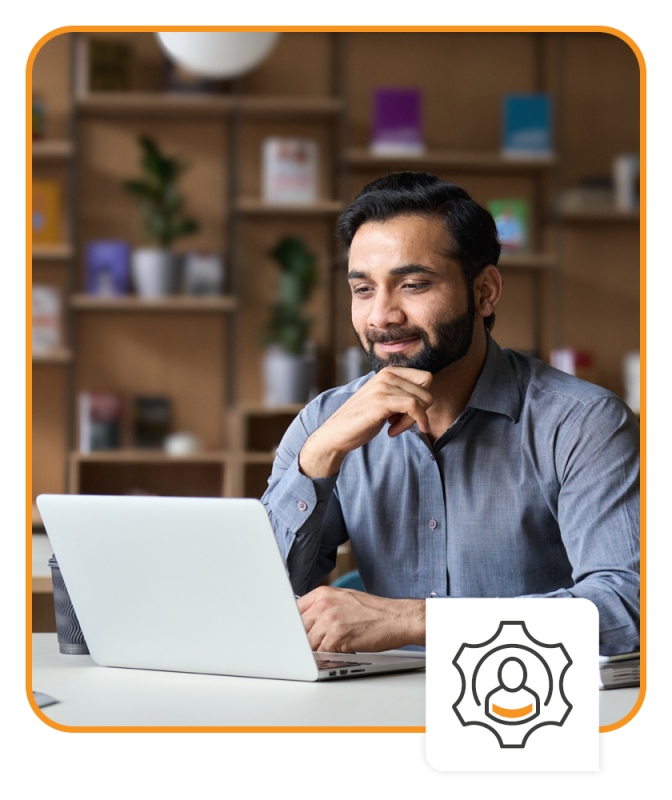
287 361
153 268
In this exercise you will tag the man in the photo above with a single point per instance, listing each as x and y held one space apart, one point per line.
457 469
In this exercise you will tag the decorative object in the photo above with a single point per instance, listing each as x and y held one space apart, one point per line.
290 171
511 217
160 200
107 267
527 126
203 273
218 54
182 443
397 123
286 366
46 319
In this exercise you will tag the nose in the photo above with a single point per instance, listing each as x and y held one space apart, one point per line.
385 311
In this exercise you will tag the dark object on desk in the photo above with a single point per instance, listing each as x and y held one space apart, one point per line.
70 637
619 672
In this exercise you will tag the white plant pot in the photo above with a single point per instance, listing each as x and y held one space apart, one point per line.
153 272
286 377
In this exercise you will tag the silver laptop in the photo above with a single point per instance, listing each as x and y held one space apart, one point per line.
190 585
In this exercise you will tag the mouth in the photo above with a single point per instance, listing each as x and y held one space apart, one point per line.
399 345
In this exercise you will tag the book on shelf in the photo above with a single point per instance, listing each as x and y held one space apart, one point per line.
47 212
99 421
107 267
290 171
574 362
203 273
46 319
102 65
151 421
626 182
619 672
397 123
512 220
527 125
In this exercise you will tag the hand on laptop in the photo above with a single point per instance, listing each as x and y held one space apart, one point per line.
347 621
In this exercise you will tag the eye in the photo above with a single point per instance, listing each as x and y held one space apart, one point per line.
416 286
360 290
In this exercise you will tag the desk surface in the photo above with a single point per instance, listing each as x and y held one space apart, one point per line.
103 696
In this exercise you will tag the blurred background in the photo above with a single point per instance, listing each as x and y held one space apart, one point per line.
188 295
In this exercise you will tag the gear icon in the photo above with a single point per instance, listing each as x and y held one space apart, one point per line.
512 684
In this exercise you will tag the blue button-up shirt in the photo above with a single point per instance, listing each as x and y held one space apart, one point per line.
532 491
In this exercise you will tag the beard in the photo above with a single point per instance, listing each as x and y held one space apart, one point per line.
452 340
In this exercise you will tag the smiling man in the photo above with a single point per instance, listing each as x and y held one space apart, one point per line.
456 468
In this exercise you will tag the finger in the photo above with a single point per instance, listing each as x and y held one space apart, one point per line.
404 412
393 381
417 376
305 602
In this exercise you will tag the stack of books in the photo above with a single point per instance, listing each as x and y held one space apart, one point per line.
619 672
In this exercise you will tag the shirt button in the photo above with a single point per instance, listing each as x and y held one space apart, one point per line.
431 458
320 505
432 524
433 594
301 505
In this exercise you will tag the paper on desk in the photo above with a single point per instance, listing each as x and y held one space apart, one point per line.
43 700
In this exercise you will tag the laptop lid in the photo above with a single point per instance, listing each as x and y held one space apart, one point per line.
179 583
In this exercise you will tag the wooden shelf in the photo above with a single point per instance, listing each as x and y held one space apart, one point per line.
52 149
256 206
258 410
174 303
52 252
42 584
598 214
147 457
37 519
528 261
157 104
61 356
471 161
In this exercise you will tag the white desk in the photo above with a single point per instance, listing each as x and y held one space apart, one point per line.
99 696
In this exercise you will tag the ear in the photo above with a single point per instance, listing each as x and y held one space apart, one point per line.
487 290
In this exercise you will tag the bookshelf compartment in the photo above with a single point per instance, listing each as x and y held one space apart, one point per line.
166 478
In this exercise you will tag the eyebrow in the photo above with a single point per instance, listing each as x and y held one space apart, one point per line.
409 269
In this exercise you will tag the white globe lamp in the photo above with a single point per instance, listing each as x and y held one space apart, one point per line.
218 54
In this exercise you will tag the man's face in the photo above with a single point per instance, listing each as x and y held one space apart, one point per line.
410 304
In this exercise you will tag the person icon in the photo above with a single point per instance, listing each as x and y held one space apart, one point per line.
512 702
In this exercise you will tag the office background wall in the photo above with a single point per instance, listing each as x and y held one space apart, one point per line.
579 286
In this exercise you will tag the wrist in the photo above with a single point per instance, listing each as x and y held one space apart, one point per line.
413 622
318 459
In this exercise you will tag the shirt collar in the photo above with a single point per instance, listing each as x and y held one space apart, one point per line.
497 388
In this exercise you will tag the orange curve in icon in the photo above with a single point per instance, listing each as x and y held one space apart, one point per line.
511 713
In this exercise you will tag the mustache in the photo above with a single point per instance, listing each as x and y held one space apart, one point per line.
395 335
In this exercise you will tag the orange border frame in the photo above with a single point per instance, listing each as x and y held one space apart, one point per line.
29 378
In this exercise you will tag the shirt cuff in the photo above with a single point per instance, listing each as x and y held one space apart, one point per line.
297 499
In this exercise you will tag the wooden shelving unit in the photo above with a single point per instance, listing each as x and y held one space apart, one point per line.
471 161
53 252
205 352
257 207
172 304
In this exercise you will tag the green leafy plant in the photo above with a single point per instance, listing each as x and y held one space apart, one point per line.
288 326
160 199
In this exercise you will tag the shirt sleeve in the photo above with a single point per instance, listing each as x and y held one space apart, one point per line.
597 462
305 514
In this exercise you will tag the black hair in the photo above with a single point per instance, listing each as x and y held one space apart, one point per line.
474 241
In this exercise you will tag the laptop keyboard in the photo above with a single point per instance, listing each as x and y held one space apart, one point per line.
324 663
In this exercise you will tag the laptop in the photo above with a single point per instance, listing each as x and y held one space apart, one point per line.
188 585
